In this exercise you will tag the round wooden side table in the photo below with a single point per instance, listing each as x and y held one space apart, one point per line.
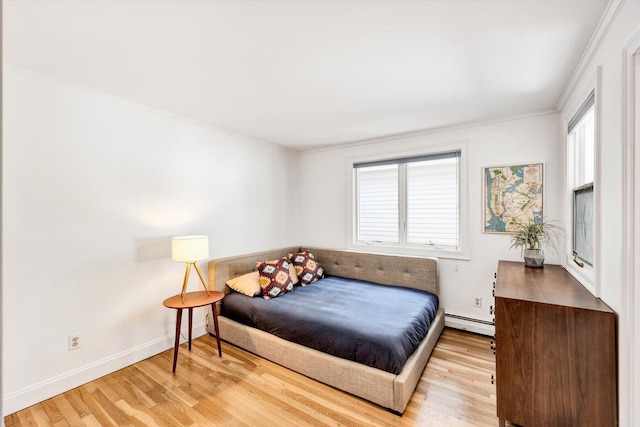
191 301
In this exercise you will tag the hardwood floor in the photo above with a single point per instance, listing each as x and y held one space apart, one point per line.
241 389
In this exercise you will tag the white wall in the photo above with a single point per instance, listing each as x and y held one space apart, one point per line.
94 188
615 289
610 156
325 178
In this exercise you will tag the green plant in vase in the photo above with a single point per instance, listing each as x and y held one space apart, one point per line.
532 236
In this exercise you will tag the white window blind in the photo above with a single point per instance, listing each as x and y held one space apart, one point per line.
410 201
378 203
432 202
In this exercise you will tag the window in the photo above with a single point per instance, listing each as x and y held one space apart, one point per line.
583 223
409 202
580 177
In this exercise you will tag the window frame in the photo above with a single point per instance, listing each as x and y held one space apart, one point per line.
402 247
584 272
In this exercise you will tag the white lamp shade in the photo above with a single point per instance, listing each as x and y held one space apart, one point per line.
190 248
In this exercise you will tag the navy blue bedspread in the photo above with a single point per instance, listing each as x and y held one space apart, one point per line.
376 325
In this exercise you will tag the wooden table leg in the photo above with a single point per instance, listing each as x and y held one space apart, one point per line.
190 325
177 345
215 322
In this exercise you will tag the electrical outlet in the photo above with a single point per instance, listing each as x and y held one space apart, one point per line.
477 302
74 342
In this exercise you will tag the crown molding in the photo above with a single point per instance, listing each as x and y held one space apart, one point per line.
424 132
18 70
608 17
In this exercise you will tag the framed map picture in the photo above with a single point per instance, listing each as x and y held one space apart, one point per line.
512 194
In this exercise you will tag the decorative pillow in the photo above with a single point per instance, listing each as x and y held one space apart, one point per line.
292 273
274 277
247 284
307 267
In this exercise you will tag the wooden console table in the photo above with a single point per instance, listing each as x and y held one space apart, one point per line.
555 350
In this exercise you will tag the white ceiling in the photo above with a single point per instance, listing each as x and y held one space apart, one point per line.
304 74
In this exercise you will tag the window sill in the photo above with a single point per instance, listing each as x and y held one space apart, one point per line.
583 275
413 251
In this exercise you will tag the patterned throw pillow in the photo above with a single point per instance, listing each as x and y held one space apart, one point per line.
307 267
274 278
292 273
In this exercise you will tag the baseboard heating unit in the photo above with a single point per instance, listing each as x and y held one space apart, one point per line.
479 326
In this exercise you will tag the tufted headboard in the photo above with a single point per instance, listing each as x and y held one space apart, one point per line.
410 272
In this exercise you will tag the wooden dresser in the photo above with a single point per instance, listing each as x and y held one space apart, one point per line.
555 350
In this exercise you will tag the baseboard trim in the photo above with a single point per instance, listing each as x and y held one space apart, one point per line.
482 327
36 393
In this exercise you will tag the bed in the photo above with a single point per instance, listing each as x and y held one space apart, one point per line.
390 387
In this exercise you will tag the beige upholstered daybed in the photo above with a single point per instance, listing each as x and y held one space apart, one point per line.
384 388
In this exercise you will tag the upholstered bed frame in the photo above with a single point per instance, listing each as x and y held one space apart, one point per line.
381 387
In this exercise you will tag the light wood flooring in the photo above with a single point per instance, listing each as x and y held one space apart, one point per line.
241 389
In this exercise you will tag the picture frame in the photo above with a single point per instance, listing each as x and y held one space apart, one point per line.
512 194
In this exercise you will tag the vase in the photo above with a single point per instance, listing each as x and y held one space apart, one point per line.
533 258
